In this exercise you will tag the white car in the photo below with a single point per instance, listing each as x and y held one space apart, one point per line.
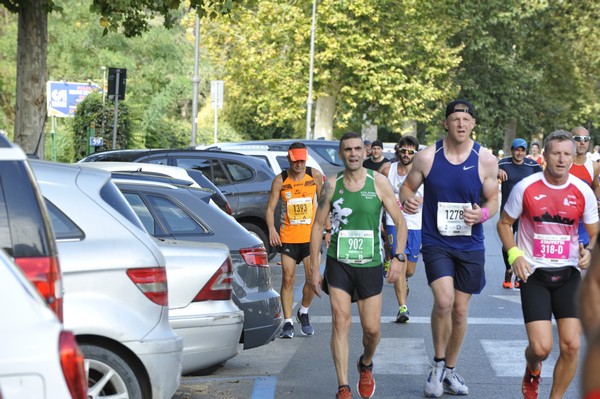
38 359
276 159
115 285
201 310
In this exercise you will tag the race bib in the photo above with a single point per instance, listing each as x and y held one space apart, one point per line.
299 210
355 246
551 247
450 220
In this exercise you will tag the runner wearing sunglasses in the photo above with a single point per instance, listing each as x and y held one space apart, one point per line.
584 168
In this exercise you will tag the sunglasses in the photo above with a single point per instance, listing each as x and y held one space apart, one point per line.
407 151
582 138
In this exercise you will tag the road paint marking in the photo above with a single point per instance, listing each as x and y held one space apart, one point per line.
426 320
507 358
264 387
412 361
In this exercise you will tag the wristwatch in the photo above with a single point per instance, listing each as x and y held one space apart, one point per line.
400 257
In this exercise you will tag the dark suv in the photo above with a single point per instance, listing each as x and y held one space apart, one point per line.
25 230
245 181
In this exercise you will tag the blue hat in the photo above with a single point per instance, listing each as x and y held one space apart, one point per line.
518 143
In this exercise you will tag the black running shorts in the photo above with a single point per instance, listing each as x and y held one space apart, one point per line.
358 282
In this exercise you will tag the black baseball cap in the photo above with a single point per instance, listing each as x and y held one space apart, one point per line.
451 108
377 143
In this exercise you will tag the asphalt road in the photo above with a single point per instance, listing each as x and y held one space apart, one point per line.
491 360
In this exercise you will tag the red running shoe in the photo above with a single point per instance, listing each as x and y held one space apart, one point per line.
531 385
366 383
344 392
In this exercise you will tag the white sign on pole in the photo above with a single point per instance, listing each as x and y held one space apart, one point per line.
216 93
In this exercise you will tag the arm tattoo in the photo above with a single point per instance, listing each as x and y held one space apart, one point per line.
325 190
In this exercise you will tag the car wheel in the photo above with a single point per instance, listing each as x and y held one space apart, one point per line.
109 375
257 231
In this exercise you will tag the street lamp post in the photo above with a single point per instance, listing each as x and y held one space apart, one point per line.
309 102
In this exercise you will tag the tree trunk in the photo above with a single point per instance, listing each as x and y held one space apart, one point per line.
510 132
30 110
324 117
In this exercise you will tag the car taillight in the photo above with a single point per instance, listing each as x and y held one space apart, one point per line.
44 274
73 365
219 286
255 256
152 281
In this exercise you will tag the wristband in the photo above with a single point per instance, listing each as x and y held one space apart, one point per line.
328 231
513 254
485 214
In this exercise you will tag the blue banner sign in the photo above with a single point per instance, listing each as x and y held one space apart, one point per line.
63 97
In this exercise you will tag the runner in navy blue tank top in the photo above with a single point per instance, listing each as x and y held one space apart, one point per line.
461 186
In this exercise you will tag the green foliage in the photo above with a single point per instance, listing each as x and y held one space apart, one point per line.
91 113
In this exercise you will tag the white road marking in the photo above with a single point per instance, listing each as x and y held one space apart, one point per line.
506 356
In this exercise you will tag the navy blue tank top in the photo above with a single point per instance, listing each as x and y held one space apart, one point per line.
451 183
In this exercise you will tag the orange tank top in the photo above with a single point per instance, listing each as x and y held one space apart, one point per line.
298 208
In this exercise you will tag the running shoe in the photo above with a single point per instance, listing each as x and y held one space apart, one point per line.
434 386
386 268
531 385
454 384
507 280
344 392
517 283
304 320
402 316
287 331
366 383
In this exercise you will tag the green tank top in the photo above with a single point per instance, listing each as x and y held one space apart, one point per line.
355 218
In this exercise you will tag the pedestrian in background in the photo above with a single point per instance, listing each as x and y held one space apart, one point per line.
548 258
376 160
511 171
461 192
536 153
355 198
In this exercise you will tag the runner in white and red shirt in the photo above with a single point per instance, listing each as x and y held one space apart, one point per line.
548 257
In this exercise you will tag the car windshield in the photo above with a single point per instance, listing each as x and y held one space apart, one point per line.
330 154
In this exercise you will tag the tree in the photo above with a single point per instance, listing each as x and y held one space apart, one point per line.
129 16
386 61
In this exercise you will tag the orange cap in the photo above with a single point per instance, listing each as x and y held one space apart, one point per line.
298 154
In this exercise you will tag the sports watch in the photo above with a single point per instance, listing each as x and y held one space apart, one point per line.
400 257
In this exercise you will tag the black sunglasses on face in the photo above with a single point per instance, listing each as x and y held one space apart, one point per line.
582 138
407 151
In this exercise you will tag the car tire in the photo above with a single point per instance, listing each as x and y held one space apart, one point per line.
108 374
257 231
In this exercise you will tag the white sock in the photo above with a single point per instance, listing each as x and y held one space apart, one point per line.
303 310
288 321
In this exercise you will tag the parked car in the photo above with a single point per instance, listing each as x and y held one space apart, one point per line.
324 152
25 229
189 177
115 284
245 181
38 358
276 159
179 213
201 310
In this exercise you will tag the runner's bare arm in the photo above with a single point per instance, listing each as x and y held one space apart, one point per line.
318 177
488 172
422 162
274 238
520 266
589 297
316 236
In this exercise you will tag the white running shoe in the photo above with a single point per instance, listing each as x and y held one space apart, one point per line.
434 387
454 384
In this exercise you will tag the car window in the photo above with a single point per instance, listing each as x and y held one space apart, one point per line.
64 227
238 171
283 162
211 168
330 154
111 194
176 219
142 211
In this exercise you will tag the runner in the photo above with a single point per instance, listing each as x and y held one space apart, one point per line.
511 171
355 197
548 258
458 175
396 172
297 187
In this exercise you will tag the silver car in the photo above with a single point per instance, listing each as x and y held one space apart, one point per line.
115 285
201 310
38 359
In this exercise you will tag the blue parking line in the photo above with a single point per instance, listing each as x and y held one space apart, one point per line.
264 388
